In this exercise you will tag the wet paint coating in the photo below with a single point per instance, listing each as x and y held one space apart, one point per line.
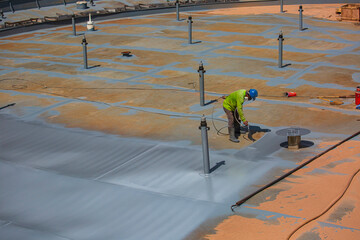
135 172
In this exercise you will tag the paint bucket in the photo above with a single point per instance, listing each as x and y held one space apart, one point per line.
90 24
290 94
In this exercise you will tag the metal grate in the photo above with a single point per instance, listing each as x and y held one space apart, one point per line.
293 131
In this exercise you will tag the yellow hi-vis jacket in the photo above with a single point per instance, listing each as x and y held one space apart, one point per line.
236 100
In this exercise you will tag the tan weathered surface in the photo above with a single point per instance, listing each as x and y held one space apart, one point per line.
306 195
154 95
51 62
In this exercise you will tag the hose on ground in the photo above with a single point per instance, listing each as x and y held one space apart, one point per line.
328 208
218 131
242 201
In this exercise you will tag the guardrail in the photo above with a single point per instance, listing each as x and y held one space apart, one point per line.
16 5
105 11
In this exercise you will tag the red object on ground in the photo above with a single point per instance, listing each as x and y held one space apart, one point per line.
291 94
126 53
357 97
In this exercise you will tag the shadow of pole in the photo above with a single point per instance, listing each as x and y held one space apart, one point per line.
218 164
210 102
95 66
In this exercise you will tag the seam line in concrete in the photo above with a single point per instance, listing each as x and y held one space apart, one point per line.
36 229
128 161
47 109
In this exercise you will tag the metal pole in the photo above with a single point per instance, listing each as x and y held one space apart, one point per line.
11 7
177 10
281 6
300 18
281 39
73 24
190 29
84 43
201 80
205 146
37 4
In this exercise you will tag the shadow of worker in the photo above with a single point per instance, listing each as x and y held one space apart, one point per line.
254 129
250 131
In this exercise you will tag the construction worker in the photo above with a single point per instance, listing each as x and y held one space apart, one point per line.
234 102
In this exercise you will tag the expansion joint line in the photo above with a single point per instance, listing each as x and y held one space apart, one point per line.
328 208
242 201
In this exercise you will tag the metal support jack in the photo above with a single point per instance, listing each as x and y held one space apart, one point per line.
73 24
177 10
281 6
11 7
281 39
84 43
201 85
205 145
300 18
190 29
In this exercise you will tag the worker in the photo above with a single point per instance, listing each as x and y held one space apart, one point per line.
234 102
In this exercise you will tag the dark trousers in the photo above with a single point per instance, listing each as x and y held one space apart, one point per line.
232 123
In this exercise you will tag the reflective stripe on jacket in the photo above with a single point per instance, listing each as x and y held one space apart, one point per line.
236 100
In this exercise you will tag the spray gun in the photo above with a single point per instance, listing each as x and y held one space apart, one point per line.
246 128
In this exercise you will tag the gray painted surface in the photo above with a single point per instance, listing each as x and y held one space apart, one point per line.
58 183
83 209
14 232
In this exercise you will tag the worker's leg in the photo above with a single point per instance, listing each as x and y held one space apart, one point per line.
237 124
230 117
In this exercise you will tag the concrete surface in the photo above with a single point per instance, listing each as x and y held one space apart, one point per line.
114 151
322 199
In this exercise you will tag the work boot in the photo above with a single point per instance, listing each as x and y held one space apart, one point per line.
232 135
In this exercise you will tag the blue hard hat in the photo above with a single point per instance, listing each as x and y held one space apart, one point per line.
253 93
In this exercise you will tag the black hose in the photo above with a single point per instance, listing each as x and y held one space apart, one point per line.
9 105
291 172
218 131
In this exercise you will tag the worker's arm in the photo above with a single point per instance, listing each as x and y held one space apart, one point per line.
241 114
240 102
